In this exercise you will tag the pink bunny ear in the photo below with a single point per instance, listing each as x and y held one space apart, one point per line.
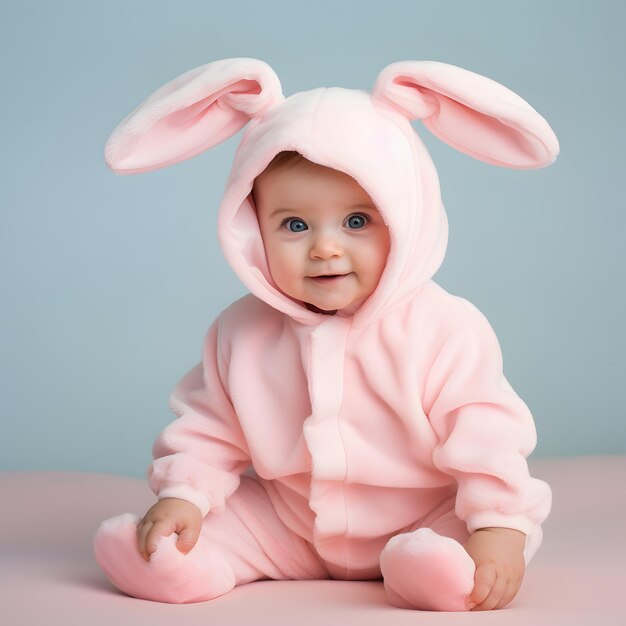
192 113
472 113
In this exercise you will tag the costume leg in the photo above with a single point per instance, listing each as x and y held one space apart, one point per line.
427 567
245 542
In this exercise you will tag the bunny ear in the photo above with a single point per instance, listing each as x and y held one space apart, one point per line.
472 113
192 113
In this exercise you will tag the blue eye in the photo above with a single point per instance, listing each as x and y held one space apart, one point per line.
292 219
358 216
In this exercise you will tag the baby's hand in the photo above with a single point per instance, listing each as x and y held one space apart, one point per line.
499 557
165 517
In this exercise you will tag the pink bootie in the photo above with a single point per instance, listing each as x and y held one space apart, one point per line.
426 571
169 576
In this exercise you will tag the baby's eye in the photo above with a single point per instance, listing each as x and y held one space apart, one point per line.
358 218
296 221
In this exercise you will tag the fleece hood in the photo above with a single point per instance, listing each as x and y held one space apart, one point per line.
366 135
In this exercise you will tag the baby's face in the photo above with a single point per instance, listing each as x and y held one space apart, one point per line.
320 221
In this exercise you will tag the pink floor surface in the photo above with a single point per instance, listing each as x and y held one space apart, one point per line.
48 574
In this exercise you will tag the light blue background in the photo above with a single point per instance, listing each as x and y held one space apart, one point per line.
109 283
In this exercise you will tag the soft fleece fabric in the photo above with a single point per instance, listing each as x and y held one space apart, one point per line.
358 425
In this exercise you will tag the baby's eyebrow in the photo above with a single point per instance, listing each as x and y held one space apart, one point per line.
277 211
360 205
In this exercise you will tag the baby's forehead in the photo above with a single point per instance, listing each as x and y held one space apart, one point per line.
312 188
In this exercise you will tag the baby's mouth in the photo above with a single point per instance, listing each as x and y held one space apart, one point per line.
328 279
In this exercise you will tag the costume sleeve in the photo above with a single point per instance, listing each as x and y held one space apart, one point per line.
485 431
200 456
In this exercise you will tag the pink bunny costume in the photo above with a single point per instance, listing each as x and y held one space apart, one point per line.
347 446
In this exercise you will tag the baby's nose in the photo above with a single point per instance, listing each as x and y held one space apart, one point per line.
326 245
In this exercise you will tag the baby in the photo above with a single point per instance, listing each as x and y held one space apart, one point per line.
349 419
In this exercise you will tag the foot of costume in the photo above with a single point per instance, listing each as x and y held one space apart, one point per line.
169 576
424 570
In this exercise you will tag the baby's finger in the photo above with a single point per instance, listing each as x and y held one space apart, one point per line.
187 539
496 593
509 593
484 578
143 528
159 529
